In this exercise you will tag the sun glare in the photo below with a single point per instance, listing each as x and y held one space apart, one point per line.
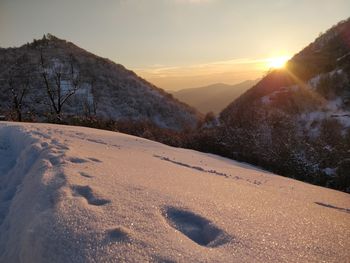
277 62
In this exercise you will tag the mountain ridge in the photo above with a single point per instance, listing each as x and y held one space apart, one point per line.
214 97
296 120
120 93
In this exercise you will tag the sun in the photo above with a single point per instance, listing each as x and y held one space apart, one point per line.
277 62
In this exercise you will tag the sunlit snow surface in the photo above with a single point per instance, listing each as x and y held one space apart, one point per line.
71 194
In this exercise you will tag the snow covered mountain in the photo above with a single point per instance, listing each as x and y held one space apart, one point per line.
213 98
73 194
50 72
296 120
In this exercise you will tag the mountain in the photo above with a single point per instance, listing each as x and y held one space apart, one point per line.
213 98
60 80
74 194
296 121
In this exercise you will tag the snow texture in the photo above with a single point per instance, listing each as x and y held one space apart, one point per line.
73 194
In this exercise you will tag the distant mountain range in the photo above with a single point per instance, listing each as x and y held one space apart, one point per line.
296 121
52 78
213 98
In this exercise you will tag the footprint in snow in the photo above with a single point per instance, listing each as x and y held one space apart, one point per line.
59 145
346 210
97 141
89 195
85 175
95 160
118 234
195 227
55 159
41 134
77 160
44 145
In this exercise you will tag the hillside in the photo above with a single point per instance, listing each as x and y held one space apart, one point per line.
59 80
73 194
213 98
296 121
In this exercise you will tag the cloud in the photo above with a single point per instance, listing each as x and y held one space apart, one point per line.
216 67
197 75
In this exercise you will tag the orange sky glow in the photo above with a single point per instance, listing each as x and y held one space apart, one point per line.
229 71
177 44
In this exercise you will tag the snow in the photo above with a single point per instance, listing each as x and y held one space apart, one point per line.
330 171
313 82
335 104
270 97
342 57
312 120
266 99
73 194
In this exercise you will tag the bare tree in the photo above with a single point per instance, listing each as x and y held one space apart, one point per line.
61 81
95 97
19 81
91 102
17 94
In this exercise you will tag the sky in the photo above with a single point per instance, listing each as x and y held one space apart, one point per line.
177 44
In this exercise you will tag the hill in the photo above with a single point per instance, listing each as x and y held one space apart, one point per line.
51 78
296 121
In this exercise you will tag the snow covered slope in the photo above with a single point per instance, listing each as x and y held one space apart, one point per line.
71 194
